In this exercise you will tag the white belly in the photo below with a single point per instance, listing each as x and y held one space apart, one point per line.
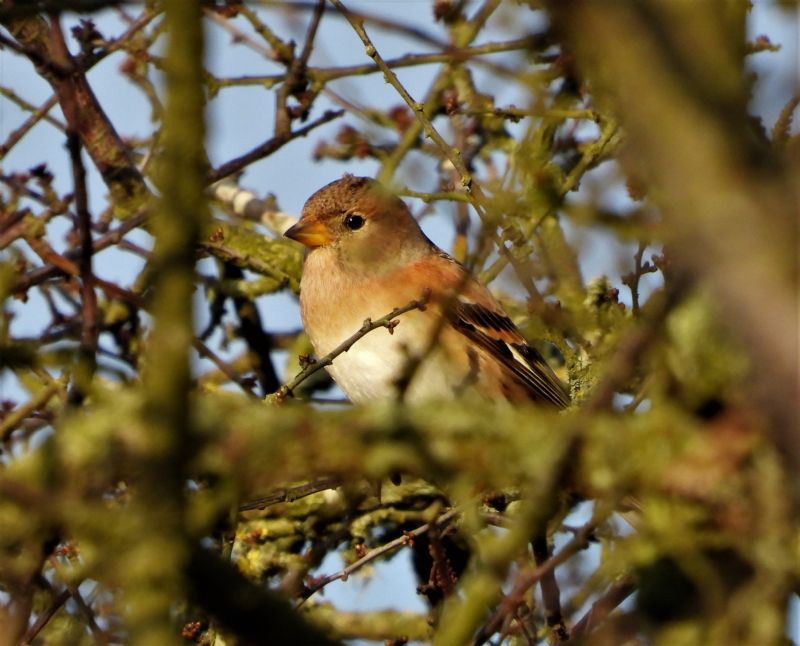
372 367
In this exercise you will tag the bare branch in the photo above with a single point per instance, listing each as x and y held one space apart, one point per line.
268 147
528 578
388 321
616 594
44 45
406 539
89 325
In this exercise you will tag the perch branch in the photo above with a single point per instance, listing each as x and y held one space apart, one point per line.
388 321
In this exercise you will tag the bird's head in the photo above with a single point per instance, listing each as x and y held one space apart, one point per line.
360 222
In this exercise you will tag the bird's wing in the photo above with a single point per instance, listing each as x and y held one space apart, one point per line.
473 312
494 332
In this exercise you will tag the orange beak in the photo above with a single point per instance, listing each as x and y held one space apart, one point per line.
311 234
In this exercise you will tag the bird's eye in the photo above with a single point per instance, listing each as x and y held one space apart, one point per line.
354 221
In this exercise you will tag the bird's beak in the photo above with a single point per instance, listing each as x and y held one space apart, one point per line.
311 234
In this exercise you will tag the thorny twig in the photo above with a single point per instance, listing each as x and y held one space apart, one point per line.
388 321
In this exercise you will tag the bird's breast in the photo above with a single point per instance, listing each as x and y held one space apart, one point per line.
334 307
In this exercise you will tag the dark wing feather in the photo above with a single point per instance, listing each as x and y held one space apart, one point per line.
498 335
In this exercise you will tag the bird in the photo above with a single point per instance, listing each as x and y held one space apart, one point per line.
367 255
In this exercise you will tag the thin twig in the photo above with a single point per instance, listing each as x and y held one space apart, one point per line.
616 594
15 417
66 266
411 60
311 34
44 617
42 113
449 196
281 50
88 348
100 637
47 49
633 278
112 290
368 326
450 54
237 35
528 578
41 274
551 595
453 155
255 335
224 367
268 147
405 539
295 80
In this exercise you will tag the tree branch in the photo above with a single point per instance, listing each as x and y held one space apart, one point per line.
44 46
252 612
527 579
268 147
616 594
89 328
406 539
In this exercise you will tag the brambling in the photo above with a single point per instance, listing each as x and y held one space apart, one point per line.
367 255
